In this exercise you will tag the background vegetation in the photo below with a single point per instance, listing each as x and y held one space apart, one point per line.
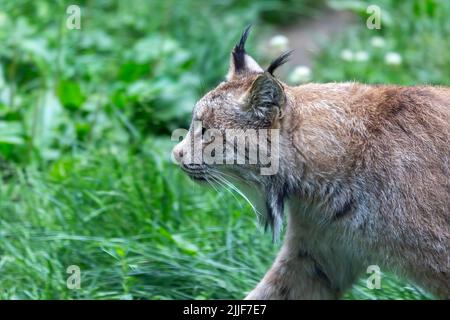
85 121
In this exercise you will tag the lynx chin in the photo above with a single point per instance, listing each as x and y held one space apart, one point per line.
363 175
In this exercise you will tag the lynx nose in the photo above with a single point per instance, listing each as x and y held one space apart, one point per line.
177 154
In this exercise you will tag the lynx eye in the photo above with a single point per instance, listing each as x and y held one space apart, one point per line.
207 136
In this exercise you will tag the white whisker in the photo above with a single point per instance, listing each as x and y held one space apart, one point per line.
231 187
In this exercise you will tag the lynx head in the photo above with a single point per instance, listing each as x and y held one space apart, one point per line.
234 133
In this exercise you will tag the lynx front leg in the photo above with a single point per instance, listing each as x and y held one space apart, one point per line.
294 275
296 272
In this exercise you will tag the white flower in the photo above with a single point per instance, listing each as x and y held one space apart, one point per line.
361 56
377 42
347 55
393 58
279 44
300 74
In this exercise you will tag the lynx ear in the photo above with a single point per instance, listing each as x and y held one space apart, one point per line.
240 62
266 98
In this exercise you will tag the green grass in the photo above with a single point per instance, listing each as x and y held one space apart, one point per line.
85 117
135 226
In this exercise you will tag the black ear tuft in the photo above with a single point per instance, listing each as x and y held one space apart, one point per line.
279 61
239 51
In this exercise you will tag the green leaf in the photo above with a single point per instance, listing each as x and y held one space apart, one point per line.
185 245
70 94
131 71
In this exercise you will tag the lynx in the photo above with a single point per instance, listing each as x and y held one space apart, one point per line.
363 175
